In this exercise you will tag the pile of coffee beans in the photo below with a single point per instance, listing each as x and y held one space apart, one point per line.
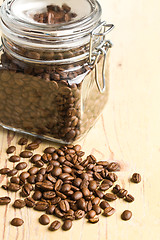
55 14
63 184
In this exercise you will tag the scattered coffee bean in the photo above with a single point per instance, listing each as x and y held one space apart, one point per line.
26 154
11 149
17 222
44 219
55 225
129 198
110 197
21 166
12 172
126 215
136 178
19 203
93 220
67 225
104 204
23 141
14 158
4 171
122 193
5 200
13 187
108 211
116 189
32 146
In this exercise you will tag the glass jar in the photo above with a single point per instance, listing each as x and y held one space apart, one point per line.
54 73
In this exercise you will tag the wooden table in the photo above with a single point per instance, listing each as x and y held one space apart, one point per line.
128 131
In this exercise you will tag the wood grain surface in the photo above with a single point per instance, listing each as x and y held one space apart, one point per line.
128 131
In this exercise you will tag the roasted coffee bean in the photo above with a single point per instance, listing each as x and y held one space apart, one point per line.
93 220
104 173
23 176
17 222
41 206
13 187
14 158
26 154
97 209
79 214
49 168
56 171
31 179
19 203
55 200
126 215
95 200
55 156
42 171
54 163
23 141
110 197
122 193
12 172
49 195
39 178
67 225
37 195
33 170
25 191
39 164
69 215
104 204
86 192
58 212
11 149
136 178
129 198
66 169
112 176
99 194
55 226
50 209
98 168
77 195
103 163
15 180
61 195
49 150
91 214
5 200
116 189
44 219
92 185
21 166
97 176
29 202
45 186
77 182
35 158
77 148
108 211
5 187
113 166
104 186
64 205
32 146
81 203
58 185
46 157
4 171
66 188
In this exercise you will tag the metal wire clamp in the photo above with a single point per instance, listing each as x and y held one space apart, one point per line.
102 49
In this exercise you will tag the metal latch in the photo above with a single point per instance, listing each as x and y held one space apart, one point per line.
100 31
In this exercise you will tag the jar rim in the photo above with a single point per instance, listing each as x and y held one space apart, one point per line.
56 35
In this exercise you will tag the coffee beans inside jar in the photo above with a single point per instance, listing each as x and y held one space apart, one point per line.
68 189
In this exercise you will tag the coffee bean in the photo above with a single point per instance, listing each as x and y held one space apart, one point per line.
86 192
93 220
129 198
77 182
92 185
64 205
41 206
81 203
49 150
112 167
97 209
112 176
23 176
32 146
25 191
99 194
14 158
26 154
122 193
110 197
39 163
55 200
56 171
29 202
17 222
18 203
45 186
13 187
58 212
37 195
67 225
35 158
12 172
44 219
108 211
11 149
49 195
77 195
104 204
55 226
33 170
79 214
21 166
50 209
5 200
66 188
91 214
15 180
96 201
23 141
4 171
116 189
126 215
136 178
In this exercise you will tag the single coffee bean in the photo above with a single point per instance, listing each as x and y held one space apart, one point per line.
91 214
14 158
15 180
37 195
108 211
35 158
56 171
13 187
49 195
33 170
79 214
81 203
46 157
19 203
25 191
12 172
77 195
86 192
58 212
21 166
93 220
31 179
49 150
32 146
11 149
92 185
77 182
55 200
50 209
67 225
116 189
113 166
64 205
26 154
30 186
122 193
99 194
104 204
95 201
110 197
41 206
55 225
136 178
112 176
89 206
44 219
17 222
126 215
97 209
129 198
39 164
29 202
23 141
4 171
69 215
77 148
23 176
5 200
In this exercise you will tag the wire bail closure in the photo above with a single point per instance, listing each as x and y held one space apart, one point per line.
100 31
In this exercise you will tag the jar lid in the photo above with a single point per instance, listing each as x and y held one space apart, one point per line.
18 23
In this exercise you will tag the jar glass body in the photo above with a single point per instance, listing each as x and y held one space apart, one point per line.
44 96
